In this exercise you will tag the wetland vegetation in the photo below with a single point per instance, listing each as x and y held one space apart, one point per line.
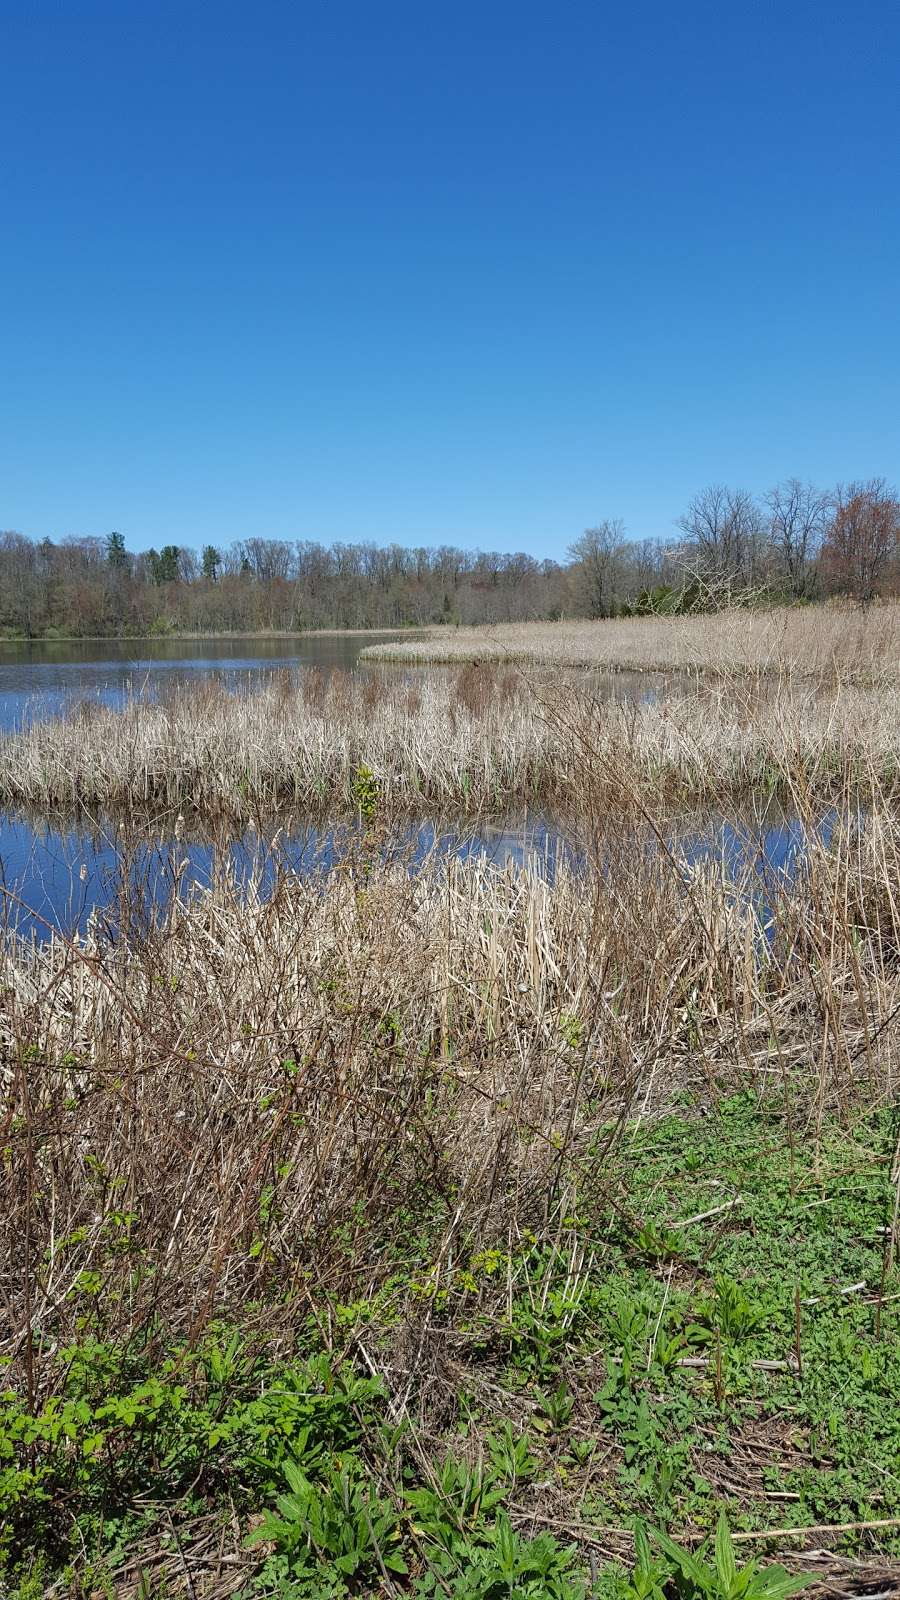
825 642
416 1226
481 739
449 954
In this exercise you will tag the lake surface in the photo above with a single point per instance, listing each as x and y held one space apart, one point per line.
55 874
55 877
43 678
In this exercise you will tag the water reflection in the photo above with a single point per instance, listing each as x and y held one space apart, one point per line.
45 678
57 876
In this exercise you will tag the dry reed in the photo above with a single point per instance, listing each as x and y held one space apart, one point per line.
477 741
269 1091
832 641
250 1114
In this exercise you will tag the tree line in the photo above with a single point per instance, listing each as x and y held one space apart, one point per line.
796 543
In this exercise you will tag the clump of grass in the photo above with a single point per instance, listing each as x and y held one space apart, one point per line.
482 740
834 641
476 686
576 1169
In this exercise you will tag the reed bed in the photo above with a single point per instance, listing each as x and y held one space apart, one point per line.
834 641
477 741
390 1114
359 1045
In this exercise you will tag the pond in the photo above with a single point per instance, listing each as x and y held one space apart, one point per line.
43 677
55 873
56 876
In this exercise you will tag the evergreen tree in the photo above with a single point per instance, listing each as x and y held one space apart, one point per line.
212 560
163 565
116 554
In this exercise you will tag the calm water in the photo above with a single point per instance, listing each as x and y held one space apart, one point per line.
55 875
42 679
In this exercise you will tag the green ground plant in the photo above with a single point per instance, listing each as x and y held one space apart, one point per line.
426 1232
684 1390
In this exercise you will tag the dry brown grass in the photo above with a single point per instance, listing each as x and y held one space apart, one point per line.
258 1111
828 641
481 740
319 1069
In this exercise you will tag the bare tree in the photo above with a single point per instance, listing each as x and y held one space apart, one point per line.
725 546
798 518
188 565
598 554
268 558
863 539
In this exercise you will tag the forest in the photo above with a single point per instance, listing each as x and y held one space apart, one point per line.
795 543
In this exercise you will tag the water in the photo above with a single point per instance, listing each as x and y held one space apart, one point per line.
54 875
44 678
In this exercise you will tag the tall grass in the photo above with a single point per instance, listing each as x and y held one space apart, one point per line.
833 641
271 1092
478 740
396 1108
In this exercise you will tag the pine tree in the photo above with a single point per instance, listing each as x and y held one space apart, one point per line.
212 560
116 554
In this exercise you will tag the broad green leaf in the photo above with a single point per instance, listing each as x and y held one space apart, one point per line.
643 1554
726 1566
775 1584
693 1569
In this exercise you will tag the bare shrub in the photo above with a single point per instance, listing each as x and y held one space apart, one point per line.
510 687
373 690
475 688
270 1090
283 687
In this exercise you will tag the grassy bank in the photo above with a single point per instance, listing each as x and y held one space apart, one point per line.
824 641
413 1235
13 641
479 740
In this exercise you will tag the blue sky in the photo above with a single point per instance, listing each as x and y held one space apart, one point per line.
470 273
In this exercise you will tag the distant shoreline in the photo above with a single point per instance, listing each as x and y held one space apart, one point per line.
820 643
181 637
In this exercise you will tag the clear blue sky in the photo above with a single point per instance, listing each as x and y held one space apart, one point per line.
480 273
